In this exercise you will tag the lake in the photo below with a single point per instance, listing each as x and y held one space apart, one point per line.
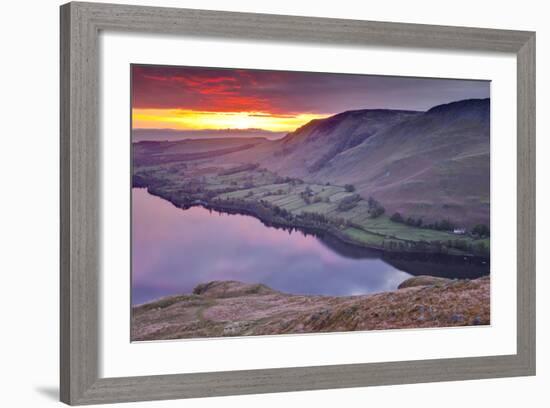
173 250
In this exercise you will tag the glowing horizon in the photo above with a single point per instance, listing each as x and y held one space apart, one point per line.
198 98
184 119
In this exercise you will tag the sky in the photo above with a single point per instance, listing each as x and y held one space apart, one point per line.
193 98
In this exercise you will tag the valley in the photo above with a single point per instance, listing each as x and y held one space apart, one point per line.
293 203
397 181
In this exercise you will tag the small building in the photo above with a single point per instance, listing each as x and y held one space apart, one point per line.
459 231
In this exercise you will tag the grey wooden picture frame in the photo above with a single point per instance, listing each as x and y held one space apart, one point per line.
81 24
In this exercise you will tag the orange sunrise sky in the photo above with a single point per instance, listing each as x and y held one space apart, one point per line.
194 98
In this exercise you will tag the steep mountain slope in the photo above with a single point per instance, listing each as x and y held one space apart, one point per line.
431 165
306 150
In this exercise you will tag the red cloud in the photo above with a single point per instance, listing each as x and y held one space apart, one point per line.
289 92
214 90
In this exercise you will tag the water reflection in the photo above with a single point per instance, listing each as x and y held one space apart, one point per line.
173 250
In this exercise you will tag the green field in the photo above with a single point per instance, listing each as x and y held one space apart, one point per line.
297 198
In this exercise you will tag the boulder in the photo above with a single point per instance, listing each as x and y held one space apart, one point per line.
226 289
423 280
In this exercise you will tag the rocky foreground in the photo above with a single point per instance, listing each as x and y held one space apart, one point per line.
230 308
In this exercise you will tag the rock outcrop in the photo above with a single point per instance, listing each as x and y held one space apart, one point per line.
230 308
423 280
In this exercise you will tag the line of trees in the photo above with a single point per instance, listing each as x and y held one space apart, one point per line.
479 230
441 247
271 212
443 225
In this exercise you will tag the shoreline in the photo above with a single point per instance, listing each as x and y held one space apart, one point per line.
318 230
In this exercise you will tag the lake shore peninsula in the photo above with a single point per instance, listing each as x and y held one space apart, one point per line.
293 203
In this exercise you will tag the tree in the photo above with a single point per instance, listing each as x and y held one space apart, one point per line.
350 188
349 202
481 230
396 217
446 225
377 212
375 208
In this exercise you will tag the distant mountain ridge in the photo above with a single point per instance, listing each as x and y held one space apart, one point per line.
139 135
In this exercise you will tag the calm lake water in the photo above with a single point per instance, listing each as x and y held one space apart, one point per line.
173 250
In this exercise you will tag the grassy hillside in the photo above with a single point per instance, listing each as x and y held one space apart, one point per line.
152 152
432 166
308 149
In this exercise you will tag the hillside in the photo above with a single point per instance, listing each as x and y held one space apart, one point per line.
308 149
430 165
230 308
163 152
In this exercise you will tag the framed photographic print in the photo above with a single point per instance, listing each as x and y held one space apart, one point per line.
302 194
259 203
